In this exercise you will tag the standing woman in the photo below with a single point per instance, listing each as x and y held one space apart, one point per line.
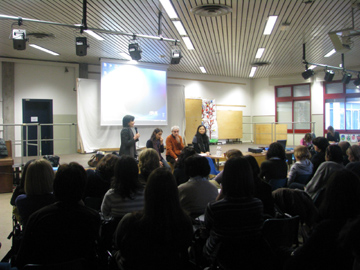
127 137
332 135
201 141
156 142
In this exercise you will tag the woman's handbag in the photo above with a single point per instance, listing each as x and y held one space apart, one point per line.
94 160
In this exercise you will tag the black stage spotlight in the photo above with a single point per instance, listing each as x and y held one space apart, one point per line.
175 55
346 78
135 51
307 74
329 75
357 81
19 39
81 46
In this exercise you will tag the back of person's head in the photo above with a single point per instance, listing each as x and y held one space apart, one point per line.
333 153
106 165
342 196
237 178
321 143
302 152
254 165
148 161
276 150
233 153
126 173
39 178
344 145
127 119
196 165
354 152
69 183
308 137
23 173
186 152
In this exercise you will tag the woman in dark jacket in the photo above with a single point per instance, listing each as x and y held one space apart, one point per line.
320 145
127 137
201 141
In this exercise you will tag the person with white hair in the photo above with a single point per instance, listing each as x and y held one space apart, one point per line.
174 145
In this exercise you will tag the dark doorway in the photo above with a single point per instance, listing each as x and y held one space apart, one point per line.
38 111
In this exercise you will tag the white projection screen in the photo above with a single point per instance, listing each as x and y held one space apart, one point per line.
137 89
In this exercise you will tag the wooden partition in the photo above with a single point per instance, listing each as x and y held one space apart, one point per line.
193 112
268 133
6 172
230 124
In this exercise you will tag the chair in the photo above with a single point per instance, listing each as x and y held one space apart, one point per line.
78 264
213 170
302 179
277 183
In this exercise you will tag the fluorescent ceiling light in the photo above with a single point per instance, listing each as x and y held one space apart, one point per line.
203 70
330 53
93 34
312 67
43 49
179 26
169 9
270 25
125 55
260 52
188 43
252 72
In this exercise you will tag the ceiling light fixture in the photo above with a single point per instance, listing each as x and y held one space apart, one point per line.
134 49
252 72
188 43
329 75
179 26
259 52
270 24
203 70
346 77
330 53
93 34
169 9
43 49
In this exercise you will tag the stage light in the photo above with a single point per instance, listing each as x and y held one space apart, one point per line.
135 50
19 39
346 78
307 73
329 75
81 46
357 81
175 55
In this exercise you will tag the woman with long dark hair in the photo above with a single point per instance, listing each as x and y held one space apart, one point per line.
201 141
127 137
158 236
156 142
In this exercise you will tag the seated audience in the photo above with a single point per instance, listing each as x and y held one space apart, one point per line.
332 135
148 161
320 145
179 168
234 223
307 140
322 250
334 162
157 237
354 157
229 154
201 141
156 142
63 231
344 145
174 145
350 238
127 193
98 181
38 189
302 166
197 192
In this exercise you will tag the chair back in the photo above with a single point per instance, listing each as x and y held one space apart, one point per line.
302 179
213 170
277 183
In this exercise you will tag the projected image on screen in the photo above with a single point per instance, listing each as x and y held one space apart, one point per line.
135 90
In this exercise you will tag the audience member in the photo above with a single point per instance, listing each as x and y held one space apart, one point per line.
98 180
229 154
344 145
148 161
174 145
349 239
306 140
127 193
333 156
156 142
332 135
234 223
63 231
38 189
179 168
196 193
354 157
302 166
320 145
322 250
159 236
201 141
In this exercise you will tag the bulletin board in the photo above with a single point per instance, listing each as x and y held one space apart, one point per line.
230 124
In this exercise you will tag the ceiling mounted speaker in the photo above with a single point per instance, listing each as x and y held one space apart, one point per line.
81 46
211 10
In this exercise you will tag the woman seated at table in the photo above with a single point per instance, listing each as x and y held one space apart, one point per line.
201 141
332 135
307 140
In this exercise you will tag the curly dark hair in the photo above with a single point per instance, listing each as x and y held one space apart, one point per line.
185 153
106 165
276 150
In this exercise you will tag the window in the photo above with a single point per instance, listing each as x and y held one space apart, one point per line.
342 106
293 105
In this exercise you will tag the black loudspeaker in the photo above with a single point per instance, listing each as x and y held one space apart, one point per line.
81 46
19 44
175 56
